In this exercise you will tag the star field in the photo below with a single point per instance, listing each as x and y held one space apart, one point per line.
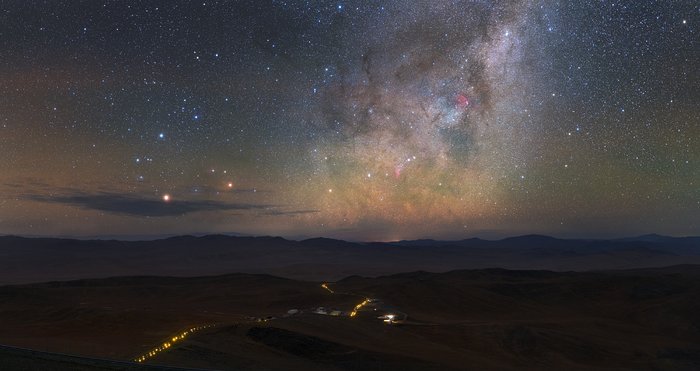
366 120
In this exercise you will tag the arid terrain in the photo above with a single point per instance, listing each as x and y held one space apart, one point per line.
464 319
33 260
349 185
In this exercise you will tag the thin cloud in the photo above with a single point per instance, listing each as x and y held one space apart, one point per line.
290 212
127 204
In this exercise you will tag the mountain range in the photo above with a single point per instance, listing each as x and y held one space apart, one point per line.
26 260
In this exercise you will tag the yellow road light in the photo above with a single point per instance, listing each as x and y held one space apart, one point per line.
168 344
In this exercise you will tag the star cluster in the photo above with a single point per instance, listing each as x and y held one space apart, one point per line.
352 119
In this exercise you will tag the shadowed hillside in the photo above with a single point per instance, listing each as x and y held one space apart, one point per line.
24 260
467 319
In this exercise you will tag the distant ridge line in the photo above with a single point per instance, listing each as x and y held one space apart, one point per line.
428 241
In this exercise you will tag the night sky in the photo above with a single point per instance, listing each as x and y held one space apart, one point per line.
363 120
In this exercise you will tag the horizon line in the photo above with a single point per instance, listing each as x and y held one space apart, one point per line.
147 238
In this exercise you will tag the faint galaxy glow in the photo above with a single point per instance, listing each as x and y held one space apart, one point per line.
354 119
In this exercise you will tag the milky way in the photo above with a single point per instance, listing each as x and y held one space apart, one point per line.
360 120
432 114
